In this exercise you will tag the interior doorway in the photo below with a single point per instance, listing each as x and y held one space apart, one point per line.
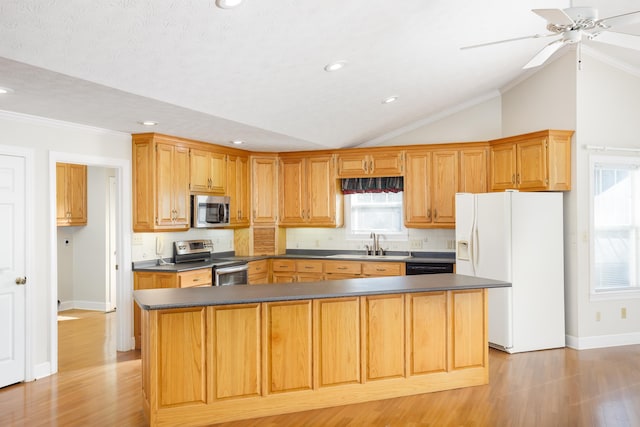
116 289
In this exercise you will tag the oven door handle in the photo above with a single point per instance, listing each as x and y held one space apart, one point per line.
230 269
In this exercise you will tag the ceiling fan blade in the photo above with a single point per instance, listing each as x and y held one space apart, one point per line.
544 54
535 36
624 19
554 16
617 39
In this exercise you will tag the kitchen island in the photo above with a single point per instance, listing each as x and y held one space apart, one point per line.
219 354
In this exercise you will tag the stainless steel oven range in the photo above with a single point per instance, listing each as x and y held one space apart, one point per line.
225 271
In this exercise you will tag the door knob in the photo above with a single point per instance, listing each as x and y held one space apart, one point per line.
21 280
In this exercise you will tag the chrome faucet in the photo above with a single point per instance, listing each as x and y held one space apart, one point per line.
375 248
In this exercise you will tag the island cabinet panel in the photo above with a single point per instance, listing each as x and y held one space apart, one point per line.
236 351
287 336
468 326
337 338
427 347
384 329
181 353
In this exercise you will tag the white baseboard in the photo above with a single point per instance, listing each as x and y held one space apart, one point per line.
42 370
601 341
83 305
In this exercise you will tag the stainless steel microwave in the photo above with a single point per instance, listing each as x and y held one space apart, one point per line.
209 211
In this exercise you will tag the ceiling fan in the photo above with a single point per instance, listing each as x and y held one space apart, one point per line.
574 25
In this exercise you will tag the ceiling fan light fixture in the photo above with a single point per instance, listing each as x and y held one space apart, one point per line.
335 66
228 4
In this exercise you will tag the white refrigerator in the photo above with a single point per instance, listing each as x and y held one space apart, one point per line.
516 237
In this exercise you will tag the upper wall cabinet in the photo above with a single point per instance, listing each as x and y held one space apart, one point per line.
308 191
71 194
431 182
378 163
264 187
238 179
160 183
208 171
474 164
539 161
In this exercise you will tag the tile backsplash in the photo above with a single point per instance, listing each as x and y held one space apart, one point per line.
148 246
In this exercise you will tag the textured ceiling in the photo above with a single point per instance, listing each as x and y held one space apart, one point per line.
256 72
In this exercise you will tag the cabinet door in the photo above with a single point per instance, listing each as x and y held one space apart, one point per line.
148 280
473 170
199 171
77 193
375 269
217 173
292 191
503 167
417 203
180 190
352 165
62 216
172 181
531 164
388 163
264 190
444 186
384 345
320 191
238 189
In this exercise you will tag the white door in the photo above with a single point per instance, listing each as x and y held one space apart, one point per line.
12 269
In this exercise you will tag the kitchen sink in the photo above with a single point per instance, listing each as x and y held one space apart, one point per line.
362 256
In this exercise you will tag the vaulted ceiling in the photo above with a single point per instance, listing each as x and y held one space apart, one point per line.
256 72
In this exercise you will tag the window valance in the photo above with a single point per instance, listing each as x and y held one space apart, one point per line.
391 184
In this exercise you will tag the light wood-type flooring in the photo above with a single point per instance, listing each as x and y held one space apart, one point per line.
96 386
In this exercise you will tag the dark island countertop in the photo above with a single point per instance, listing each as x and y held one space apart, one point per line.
157 299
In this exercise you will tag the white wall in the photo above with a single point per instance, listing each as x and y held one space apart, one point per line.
143 246
44 136
608 105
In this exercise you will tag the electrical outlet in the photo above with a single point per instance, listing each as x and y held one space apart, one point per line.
416 244
623 312
597 316
136 240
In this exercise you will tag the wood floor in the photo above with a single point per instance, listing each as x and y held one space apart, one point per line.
99 387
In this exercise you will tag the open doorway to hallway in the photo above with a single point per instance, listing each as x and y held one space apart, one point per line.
86 264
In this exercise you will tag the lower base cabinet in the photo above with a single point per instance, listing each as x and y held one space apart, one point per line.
205 365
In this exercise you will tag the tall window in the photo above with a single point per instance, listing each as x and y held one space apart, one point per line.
615 223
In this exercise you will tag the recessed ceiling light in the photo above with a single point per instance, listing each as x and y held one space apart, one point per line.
237 142
335 66
148 123
228 4
4 90
390 99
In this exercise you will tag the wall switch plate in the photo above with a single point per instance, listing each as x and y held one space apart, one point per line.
136 240
416 244
623 312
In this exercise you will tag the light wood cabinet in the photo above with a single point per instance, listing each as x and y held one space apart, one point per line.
308 192
191 278
208 171
258 272
296 270
203 365
539 161
71 194
431 183
160 184
337 337
288 338
238 179
336 270
384 328
264 189
474 164
378 269
371 164
236 351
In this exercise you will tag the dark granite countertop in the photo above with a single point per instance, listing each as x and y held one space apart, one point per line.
156 299
227 258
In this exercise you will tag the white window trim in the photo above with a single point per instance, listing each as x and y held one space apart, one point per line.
614 293
401 236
